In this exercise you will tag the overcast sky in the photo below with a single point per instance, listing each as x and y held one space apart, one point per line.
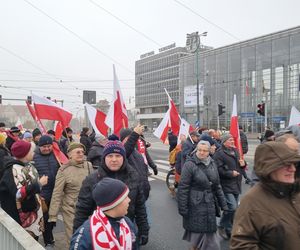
58 48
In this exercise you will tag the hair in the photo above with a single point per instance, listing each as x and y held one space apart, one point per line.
202 142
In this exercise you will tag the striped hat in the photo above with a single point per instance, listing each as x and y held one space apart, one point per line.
109 193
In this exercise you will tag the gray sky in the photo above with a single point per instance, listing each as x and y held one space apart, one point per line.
54 54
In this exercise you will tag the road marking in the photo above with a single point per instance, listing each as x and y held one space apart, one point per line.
163 161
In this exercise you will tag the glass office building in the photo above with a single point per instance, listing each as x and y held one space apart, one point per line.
263 69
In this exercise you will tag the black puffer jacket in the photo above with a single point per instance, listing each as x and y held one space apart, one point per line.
46 165
227 160
197 187
86 141
95 153
4 156
136 211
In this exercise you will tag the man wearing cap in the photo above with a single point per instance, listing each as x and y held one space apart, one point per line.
189 145
114 165
230 171
46 164
67 185
268 215
96 151
108 220
12 136
19 189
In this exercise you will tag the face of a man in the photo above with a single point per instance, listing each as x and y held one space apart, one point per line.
202 151
77 155
229 143
37 138
285 174
114 161
122 208
46 149
195 138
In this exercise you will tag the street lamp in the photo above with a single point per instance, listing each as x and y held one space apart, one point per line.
194 46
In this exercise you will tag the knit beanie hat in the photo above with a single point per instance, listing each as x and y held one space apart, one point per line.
124 133
225 137
269 133
36 132
27 135
75 145
2 138
45 140
14 130
109 193
208 139
114 147
20 149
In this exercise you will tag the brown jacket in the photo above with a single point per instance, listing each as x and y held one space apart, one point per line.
267 218
67 185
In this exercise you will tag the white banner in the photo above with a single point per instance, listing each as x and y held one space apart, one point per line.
190 95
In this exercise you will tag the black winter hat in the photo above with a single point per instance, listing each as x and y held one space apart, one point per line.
45 140
109 193
36 132
14 130
124 133
208 138
269 133
51 132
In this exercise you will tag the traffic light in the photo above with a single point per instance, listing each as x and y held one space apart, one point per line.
29 99
0 99
221 109
261 109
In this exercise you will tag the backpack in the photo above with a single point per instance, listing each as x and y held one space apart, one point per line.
173 153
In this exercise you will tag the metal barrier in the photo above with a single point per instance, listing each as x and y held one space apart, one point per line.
13 236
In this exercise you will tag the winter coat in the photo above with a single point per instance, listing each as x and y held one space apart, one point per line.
136 160
46 165
267 218
64 144
136 211
86 141
8 190
244 142
197 187
67 185
95 153
4 157
227 160
82 239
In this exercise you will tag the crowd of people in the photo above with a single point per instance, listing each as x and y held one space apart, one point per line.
103 187
102 190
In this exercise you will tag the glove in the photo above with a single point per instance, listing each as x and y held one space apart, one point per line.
143 240
155 171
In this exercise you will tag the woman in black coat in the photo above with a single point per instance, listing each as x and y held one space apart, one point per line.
197 190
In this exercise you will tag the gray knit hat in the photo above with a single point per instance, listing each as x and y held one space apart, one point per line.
225 137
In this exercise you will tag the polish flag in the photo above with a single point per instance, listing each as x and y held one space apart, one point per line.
36 119
184 130
294 117
46 109
247 88
162 130
234 128
97 119
19 124
117 118
174 116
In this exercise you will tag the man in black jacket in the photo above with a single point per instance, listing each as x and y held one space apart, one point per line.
230 168
114 165
96 151
46 164
85 139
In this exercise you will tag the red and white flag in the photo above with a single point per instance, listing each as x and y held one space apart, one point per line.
97 119
184 130
162 130
36 119
117 118
234 128
294 117
58 128
46 109
174 116
247 88
19 124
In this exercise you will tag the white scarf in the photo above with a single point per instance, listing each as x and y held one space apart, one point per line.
103 235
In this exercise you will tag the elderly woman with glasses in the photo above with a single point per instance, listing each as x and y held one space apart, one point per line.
67 185
199 189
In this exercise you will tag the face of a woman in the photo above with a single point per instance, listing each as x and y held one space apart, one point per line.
202 151
285 174
77 155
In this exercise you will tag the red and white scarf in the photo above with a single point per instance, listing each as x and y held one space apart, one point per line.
142 150
103 235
